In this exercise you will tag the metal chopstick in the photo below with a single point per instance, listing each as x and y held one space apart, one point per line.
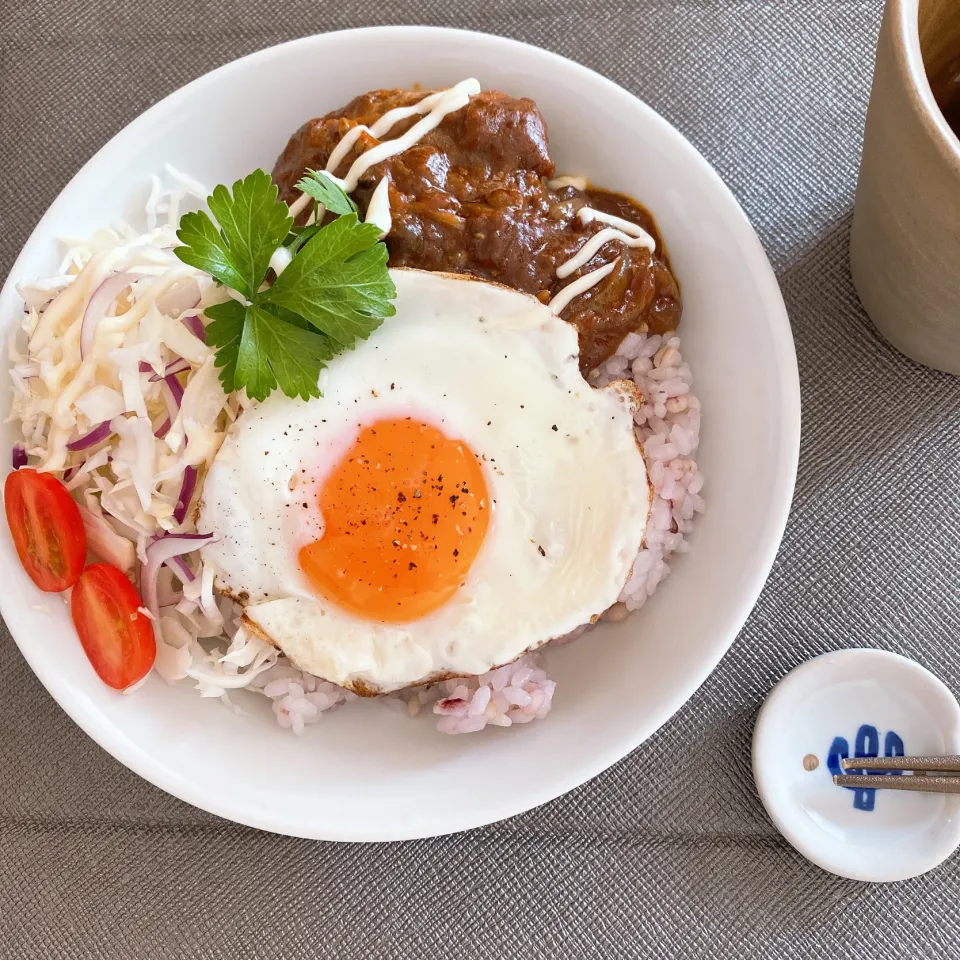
882 782
940 764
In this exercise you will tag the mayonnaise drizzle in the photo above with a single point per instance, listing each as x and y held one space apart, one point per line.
628 233
384 125
435 107
589 215
590 248
448 101
345 145
299 205
378 209
581 285
280 260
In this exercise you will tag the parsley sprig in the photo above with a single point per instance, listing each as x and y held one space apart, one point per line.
335 290
319 185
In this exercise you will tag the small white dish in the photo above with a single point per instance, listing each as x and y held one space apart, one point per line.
365 773
857 703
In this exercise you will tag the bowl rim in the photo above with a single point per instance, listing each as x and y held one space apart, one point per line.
233 808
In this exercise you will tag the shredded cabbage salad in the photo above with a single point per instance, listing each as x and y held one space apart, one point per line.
117 394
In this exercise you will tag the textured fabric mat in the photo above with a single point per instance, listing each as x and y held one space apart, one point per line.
669 854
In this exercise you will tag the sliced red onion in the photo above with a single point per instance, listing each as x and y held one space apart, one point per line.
187 537
182 569
68 474
177 366
174 396
163 429
176 390
186 494
158 553
100 432
195 325
20 456
99 303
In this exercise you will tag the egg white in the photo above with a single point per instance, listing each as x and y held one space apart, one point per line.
484 364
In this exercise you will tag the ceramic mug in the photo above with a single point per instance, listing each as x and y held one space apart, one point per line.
905 244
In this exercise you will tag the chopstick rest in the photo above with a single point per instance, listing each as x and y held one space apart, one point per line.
872 719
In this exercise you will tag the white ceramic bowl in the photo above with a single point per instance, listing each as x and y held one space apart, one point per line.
365 773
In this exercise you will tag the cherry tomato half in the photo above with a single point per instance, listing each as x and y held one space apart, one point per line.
116 636
47 528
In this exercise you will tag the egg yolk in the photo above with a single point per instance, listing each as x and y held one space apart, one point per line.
405 513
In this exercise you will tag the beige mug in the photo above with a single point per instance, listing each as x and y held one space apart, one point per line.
905 243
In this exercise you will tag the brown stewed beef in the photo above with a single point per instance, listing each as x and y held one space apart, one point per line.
472 197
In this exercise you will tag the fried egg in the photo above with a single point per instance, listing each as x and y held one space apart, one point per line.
457 496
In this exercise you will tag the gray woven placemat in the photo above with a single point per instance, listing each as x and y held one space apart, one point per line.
669 854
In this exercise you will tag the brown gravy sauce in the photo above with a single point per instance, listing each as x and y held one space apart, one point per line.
473 196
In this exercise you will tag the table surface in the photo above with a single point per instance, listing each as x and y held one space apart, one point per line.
669 853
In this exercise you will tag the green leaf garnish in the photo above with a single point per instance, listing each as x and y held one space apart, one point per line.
301 235
334 291
205 248
273 352
339 281
253 223
224 332
319 185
